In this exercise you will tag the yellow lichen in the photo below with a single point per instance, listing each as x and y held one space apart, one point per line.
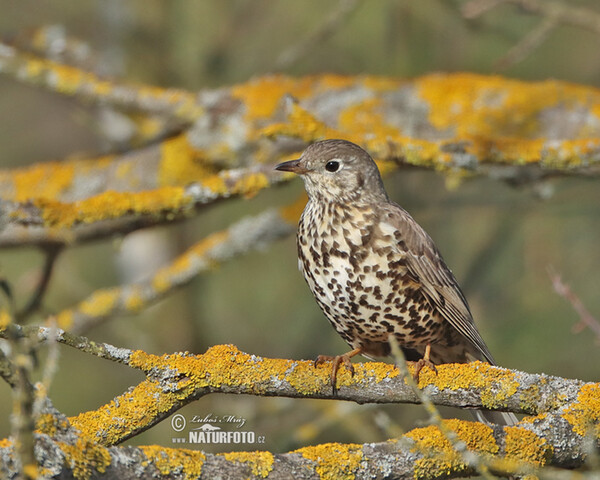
438 452
523 445
334 460
46 180
501 117
169 461
263 95
85 457
5 318
100 302
181 163
261 463
134 300
110 205
65 319
584 415
250 185
5 443
495 384
140 406
301 124
50 424
130 411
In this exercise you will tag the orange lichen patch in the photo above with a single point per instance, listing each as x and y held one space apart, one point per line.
249 185
307 379
5 443
134 299
334 460
220 365
584 415
261 463
110 205
65 319
501 117
85 457
523 445
189 260
5 318
47 180
50 424
181 163
493 106
263 95
172 462
301 124
495 384
478 437
100 302
510 149
127 413
438 451
364 120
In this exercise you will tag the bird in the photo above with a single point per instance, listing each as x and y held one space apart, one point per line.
374 271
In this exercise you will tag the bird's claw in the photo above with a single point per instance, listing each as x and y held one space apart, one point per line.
419 366
336 360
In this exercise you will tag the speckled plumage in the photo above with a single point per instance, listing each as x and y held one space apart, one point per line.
373 270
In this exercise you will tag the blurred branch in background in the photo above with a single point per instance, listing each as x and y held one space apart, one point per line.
307 43
552 13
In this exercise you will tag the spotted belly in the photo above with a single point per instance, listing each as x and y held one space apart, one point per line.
366 303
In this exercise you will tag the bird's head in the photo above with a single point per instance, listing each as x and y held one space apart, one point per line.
339 171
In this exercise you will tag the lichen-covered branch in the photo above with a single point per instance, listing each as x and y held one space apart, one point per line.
72 81
567 416
250 233
48 222
460 124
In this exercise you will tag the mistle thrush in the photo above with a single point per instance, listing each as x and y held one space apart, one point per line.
374 271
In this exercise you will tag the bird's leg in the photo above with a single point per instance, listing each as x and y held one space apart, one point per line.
424 362
337 360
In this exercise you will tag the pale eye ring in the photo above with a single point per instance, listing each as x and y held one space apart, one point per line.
332 166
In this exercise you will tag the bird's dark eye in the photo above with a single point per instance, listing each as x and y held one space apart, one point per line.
332 166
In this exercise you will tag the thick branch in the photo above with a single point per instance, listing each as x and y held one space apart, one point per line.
568 416
461 124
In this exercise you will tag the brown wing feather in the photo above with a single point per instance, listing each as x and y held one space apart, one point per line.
439 285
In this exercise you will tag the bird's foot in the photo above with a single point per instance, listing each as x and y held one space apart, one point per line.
337 361
419 366
424 362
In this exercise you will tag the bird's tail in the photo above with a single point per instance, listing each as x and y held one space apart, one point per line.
493 417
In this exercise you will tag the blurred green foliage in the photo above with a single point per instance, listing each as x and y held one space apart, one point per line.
498 239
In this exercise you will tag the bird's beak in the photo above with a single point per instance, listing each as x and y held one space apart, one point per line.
292 166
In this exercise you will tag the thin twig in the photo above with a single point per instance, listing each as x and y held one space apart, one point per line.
527 44
476 8
52 252
436 419
307 45
586 319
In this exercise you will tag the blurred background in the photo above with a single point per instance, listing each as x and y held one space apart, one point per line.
499 240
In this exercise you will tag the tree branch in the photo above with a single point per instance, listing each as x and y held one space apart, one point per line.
565 409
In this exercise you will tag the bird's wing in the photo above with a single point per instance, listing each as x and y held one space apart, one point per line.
428 269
